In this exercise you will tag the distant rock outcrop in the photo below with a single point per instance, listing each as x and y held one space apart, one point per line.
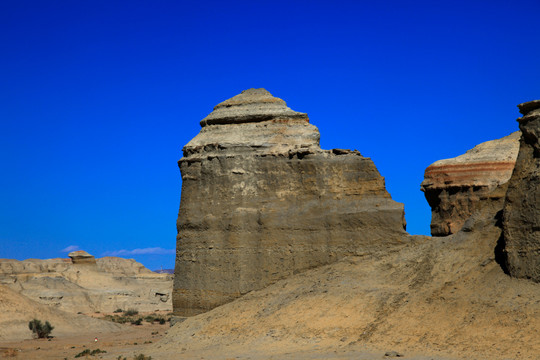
262 201
456 188
102 286
82 257
521 220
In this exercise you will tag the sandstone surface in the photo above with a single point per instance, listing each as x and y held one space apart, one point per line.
104 286
456 188
261 201
521 222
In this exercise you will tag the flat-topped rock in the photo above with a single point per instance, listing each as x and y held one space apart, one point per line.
455 188
521 214
261 201
82 257
252 105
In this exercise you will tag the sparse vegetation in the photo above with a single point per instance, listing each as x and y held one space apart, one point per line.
142 357
118 311
125 318
89 352
131 312
40 330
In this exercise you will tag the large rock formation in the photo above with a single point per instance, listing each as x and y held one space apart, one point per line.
456 188
521 221
261 201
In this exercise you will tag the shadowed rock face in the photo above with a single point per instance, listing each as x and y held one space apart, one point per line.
456 188
521 220
261 201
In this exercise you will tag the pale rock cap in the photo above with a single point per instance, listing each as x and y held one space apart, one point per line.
252 105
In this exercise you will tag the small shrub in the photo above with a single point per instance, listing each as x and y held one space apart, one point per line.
142 357
39 329
83 353
90 352
118 311
149 318
131 312
161 321
137 322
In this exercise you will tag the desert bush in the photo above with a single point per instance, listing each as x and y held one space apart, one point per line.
83 353
142 357
39 329
90 352
137 322
131 312
118 311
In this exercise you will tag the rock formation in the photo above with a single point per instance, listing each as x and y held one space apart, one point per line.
521 221
82 257
261 201
106 285
456 188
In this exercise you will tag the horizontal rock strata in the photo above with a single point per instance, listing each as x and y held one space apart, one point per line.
455 188
261 201
521 220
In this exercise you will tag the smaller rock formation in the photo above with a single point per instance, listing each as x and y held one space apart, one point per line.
82 257
457 187
521 220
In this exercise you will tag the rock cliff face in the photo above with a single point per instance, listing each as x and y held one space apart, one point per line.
261 201
455 188
521 220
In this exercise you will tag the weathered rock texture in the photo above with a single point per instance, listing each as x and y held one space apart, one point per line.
456 188
521 221
261 201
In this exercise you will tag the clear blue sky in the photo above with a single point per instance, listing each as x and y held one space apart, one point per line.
97 99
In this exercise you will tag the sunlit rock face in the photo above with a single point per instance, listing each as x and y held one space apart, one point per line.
261 201
521 220
455 188
82 257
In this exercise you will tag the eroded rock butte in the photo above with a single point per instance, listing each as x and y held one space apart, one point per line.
456 188
261 201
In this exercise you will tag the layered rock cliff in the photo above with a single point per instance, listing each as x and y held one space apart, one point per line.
521 221
456 188
261 201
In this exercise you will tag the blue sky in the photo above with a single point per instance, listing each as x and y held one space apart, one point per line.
97 99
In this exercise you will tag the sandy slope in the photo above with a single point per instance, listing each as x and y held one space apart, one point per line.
442 297
17 310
